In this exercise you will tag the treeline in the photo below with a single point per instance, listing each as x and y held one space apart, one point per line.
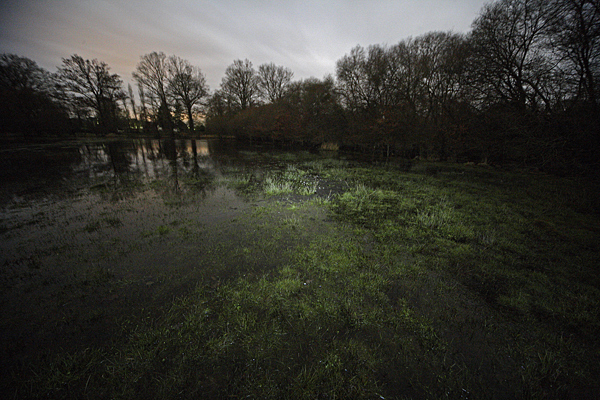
521 87
83 95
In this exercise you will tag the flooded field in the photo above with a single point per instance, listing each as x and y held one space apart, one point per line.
75 216
194 268
95 235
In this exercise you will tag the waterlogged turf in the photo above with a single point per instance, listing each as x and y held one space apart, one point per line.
290 275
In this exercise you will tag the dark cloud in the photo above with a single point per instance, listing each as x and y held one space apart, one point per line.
307 36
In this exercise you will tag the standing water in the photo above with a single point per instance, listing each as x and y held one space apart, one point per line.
102 235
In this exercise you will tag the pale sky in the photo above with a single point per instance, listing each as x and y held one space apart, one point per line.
307 36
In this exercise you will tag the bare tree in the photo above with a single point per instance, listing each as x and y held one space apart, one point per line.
321 113
352 80
152 73
93 86
510 63
273 81
187 84
217 105
441 62
376 79
394 93
576 38
367 84
240 84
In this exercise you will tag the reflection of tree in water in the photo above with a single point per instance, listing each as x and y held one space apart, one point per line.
30 173
170 167
197 171
124 181
171 153
174 167
196 167
116 170
199 178
119 160
111 169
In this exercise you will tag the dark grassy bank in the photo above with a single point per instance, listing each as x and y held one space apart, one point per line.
340 280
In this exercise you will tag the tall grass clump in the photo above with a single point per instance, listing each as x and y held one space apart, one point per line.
290 180
273 186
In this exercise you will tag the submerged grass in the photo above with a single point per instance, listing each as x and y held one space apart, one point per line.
468 283
279 182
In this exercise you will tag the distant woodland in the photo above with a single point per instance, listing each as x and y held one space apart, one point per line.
521 88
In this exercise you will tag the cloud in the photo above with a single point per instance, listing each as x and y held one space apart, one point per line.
306 36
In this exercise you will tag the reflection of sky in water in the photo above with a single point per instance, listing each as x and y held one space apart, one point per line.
112 170
202 146
139 183
147 159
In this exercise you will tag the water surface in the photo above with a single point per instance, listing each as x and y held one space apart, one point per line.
97 235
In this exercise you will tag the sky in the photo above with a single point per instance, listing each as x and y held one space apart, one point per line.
306 36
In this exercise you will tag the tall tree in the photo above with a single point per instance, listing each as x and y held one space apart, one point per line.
321 113
29 99
576 38
20 73
218 113
152 73
187 84
273 81
143 104
383 89
92 86
442 60
217 105
132 101
511 64
240 84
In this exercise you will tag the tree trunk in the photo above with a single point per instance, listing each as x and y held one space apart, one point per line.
190 120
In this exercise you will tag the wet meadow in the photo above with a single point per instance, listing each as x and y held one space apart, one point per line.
185 269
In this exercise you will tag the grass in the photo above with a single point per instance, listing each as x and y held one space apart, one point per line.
286 181
467 283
